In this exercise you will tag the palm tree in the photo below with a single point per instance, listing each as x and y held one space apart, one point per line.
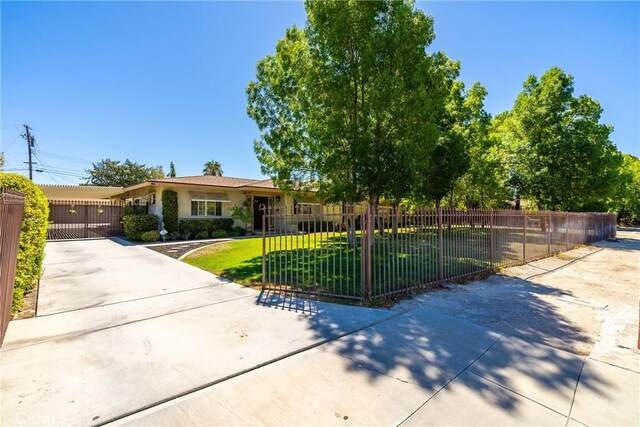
212 167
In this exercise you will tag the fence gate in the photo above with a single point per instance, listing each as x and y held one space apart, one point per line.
11 213
84 219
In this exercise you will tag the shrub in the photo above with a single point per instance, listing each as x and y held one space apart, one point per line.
174 236
135 225
134 210
238 231
170 210
209 225
220 234
32 236
202 235
242 214
150 236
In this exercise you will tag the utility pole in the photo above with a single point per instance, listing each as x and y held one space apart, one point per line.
30 144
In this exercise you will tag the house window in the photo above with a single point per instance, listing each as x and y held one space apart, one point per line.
206 208
152 199
301 208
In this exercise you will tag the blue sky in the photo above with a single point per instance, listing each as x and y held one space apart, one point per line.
155 82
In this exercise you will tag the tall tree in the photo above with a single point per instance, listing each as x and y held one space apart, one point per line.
212 167
483 185
345 104
1 160
627 199
172 170
562 157
114 173
460 120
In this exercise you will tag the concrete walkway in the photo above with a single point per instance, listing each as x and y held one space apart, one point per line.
128 336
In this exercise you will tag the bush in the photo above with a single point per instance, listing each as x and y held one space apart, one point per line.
238 231
32 236
242 214
220 234
135 225
170 210
209 225
134 210
150 236
174 236
202 235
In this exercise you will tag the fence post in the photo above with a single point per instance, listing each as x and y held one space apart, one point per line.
524 235
549 234
264 243
491 243
365 253
440 246
566 234
86 221
370 233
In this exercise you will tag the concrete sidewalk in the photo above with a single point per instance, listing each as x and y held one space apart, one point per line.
125 327
425 367
187 348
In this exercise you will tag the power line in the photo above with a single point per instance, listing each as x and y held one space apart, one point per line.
70 159
11 143
48 173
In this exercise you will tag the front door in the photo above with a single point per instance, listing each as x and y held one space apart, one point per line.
259 206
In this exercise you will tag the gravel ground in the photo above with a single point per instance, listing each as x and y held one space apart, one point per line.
176 250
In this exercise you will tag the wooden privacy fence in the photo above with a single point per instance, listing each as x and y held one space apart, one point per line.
84 219
361 253
11 212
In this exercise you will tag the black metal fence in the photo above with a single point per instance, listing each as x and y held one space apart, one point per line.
358 253
11 212
84 219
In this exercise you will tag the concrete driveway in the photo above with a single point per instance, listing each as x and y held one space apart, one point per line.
128 336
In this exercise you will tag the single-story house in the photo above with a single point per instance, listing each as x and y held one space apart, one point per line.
202 196
207 196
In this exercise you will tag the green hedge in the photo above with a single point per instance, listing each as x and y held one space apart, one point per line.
150 236
201 235
135 225
135 210
209 225
170 210
32 236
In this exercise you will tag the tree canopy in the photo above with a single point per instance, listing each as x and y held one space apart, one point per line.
627 199
354 106
345 104
212 167
172 170
114 173
560 154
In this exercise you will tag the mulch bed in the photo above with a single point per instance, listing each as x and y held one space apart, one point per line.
178 249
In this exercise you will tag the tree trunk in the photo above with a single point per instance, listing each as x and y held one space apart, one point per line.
394 219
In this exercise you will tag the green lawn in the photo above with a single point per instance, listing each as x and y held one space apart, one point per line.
238 260
325 262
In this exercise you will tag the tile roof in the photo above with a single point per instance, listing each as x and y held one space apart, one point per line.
218 181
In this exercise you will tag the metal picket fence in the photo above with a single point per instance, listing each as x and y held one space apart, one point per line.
360 253
11 212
